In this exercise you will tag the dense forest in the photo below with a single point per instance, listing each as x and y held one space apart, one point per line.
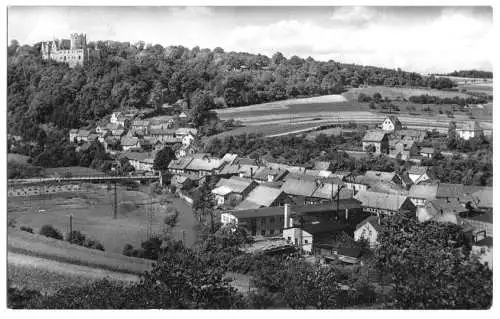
124 75
472 74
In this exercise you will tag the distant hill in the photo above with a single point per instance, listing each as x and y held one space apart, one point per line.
477 74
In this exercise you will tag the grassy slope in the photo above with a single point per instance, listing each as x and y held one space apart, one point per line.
40 246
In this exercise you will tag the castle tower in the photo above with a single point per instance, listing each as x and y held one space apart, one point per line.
78 41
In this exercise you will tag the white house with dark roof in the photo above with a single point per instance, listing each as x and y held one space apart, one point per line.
378 140
418 174
468 130
391 123
130 143
234 188
368 230
421 194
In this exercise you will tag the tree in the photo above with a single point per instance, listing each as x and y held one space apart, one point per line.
163 159
201 105
430 266
204 204
50 231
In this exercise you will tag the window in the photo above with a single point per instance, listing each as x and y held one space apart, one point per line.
289 238
263 232
296 241
306 241
263 221
271 232
271 220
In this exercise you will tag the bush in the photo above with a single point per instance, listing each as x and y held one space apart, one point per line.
26 229
78 238
49 231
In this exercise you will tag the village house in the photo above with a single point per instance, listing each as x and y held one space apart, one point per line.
233 189
322 166
263 196
419 174
130 143
427 152
83 136
73 133
120 119
376 142
187 140
101 129
183 131
480 222
391 123
385 204
140 126
483 198
181 182
264 174
112 127
421 194
317 228
163 134
267 221
373 178
451 191
413 135
118 133
140 161
368 230
468 130
111 144
205 166
179 165
440 210
229 158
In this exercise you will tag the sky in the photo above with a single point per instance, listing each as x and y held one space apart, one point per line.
420 39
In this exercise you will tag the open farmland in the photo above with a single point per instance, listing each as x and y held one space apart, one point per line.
92 211
302 115
400 92
18 158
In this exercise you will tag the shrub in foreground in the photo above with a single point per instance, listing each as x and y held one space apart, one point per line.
50 231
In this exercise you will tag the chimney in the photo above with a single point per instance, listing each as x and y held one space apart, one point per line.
251 172
285 225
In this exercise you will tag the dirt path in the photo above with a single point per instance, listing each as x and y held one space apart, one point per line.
67 269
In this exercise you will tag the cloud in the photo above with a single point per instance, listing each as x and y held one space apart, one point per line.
419 39
452 40
356 15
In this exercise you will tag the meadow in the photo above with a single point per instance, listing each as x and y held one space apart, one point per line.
92 211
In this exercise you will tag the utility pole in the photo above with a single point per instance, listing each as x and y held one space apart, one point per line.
115 213
70 226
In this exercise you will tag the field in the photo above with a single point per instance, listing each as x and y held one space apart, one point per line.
395 92
299 115
92 211
12 157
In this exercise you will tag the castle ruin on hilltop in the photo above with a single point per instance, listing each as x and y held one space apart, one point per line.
73 51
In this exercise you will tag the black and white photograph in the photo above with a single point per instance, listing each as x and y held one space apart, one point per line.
258 156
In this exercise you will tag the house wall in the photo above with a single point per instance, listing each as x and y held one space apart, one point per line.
264 226
480 226
226 218
367 232
387 125
299 238
466 135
